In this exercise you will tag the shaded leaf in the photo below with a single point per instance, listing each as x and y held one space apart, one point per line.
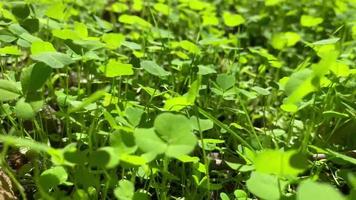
153 68
53 59
309 190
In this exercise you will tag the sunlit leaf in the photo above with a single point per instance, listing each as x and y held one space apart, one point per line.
115 68
56 11
233 20
10 50
162 8
310 21
113 40
281 163
134 20
273 2
38 47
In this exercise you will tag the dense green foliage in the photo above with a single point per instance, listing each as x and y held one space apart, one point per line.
179 99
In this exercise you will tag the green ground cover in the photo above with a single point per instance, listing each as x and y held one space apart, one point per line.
178 99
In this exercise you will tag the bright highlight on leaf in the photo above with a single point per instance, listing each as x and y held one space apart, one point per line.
310 21
282 40
273 2
281 163
233 20
115 68
134 20
38 47
10 50
113 40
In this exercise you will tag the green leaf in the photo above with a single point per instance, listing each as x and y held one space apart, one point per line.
38 47
299 85
232 20
53 177
162 8
261 91
21 10
225 81
210 20
81 29
148 141
272 2
240 195
197 4
8 90
189 46
104 157
115 68
340 69
31 25
53 59
310 21
91 99
134 20
310 190
204 70
56 11
273 61
172 135
36 100
113 40
292 38
280 163
134 115
201 124
132 45
326 41
176 130
287 39
265 186
33 77
153 68
123 142
133 160
7 37
224 196
66 34
10 50
180 102
22 142
176 103
24 110
289 107
125 190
